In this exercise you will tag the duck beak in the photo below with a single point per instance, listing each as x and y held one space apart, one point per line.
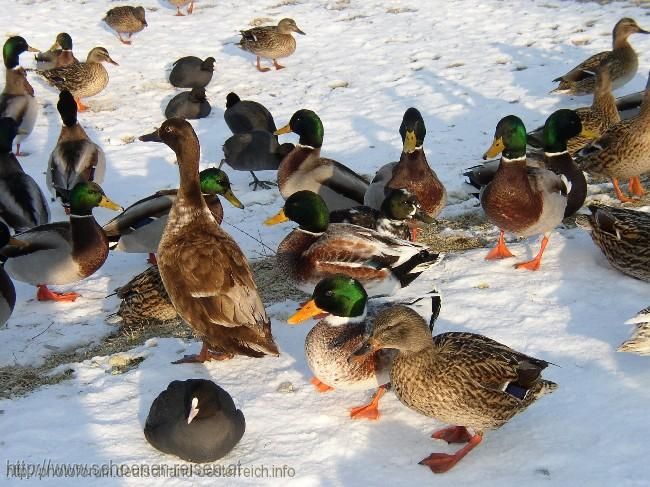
410 141
108 59
152 137
33 49
589 134
106 202
232 199
495 149
284 130
642 31
367 347
279 218
309 310
298 31
21 244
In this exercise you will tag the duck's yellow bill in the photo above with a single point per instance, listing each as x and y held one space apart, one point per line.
410 141
495 149
33 49
279 218
589 133
284 130
21 244
232 199
106 202
309 310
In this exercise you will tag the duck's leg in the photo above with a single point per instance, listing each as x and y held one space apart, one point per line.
80 106
635 186
442 462
123 41
277 66
369 411
533 265
453 434
262 184
178 12
152 259
18 153
619 194
320 386
190 9
205 355
414 231
500 251
260 68
44 294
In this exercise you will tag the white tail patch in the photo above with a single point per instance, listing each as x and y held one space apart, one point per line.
567 183
194 410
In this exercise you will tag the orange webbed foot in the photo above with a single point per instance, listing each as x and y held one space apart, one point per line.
443 462
635 187
320 386
500 251
369 411
619 193
453 434
80 106
45 294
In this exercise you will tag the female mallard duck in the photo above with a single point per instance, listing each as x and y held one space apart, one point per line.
622 61
7 290
17 98
190 105
412 172
623 235
22 203
62 252
462 379
126 20
639 342
622 152
316 250
334 338
75 157
181 3
270 42
523 200
192 72
60 54
304 169
82 79
206 274
139 228
397 216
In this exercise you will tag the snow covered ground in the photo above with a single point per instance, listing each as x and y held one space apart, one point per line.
464 64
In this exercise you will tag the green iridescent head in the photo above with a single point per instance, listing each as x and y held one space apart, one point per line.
214 181
509 139
64 41
307 125
559 128
12 49
88 195
402 205
412 130
307 209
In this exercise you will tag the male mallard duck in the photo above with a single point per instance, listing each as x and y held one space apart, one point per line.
189 105
75 157
334 338
622 62
622 152
195 420
522 200
126 20
191 72
62 252
139 228
624 237
7 290
639 342
206 274
318 249
17 98
60 54
22 203
412 172
304 169
462 379
397 216
82 79
181 3
270 42
243 116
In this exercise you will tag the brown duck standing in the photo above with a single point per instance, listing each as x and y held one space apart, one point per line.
203 269
126 20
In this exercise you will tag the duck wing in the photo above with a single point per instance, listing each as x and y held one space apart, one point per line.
586 69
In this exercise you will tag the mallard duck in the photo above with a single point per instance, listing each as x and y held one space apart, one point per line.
318 249
624 237
195 420
82 79
126 20
412 172
270 42
304 169
329 344
17 98
622 152
622 61
62 252
181 3
243 116
397 217
206 274
75 157
458 378
22 203
192 72
7 290
639 342
189 105
60 54
139 228
523 200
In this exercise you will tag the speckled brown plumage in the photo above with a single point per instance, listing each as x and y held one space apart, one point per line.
126 19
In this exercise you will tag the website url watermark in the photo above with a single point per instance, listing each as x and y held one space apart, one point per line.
48 469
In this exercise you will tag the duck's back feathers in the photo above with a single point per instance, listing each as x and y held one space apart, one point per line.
72 162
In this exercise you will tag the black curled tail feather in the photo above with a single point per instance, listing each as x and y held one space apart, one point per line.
412 268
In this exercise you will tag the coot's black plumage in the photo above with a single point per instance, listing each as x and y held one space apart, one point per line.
192 72
243 116
195 420
189 105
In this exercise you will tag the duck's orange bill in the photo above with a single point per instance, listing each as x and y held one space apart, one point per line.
279 218
309 310
284 130
496 148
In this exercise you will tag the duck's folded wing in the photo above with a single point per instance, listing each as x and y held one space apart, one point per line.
140 213
586 69
547 181
343 180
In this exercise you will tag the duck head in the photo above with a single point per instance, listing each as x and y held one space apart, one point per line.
286 26
214 181
560 127
624 28
67 108
13 48
63 41
307 125
307 209
509 139
412 130
402 205
88 195
139 14
99 55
